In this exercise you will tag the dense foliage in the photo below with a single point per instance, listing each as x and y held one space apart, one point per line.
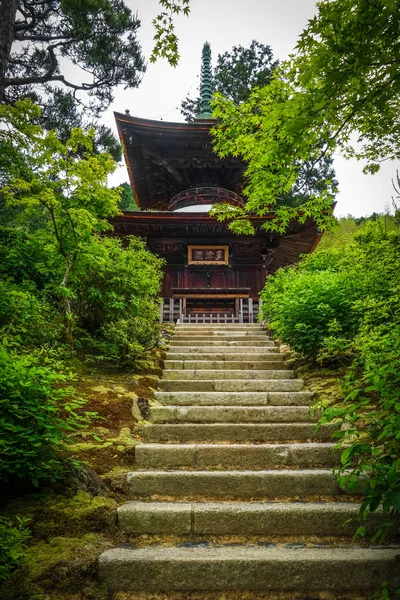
66 290
12 538
127 201
37 413
342 303
116 299
341 85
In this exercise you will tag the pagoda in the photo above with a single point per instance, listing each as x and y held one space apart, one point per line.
211 274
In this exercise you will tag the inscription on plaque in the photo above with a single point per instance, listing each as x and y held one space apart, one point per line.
208 255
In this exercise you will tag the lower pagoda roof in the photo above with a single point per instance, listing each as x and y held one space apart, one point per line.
283 249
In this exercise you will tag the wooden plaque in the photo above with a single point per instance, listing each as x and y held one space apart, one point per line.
208 255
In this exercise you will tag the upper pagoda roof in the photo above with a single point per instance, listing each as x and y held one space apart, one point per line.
164 159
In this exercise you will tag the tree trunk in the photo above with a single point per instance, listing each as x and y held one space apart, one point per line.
66 303
8 11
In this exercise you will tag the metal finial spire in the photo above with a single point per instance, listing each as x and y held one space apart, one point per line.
206 84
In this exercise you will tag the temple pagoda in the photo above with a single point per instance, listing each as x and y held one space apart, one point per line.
211 274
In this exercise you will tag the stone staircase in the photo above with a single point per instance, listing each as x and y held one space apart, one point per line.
230 490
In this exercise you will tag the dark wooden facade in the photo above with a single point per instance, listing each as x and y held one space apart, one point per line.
172 167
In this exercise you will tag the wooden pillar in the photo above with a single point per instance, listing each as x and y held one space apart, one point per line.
181 310
251 318
161 310
237 305
171 310
240 310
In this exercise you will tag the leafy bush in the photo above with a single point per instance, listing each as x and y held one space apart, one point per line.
127 339
12 538
66 285
25 317
303 308
36 414
116 299
370 412
318 306
344 302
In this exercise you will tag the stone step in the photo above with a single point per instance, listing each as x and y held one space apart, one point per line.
240 433
230 385
234 365
219 336
222 353
218 327
215 329
237 373
234 398
235 456
228 343
265 484
273 358
275 519
230 414
248 568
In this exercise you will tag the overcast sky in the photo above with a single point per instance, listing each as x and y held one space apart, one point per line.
225 23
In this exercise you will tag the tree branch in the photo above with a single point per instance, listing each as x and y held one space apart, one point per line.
40 38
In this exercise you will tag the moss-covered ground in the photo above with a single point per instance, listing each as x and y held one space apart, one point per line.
74 521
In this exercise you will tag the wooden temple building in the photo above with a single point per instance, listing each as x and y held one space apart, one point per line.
211 274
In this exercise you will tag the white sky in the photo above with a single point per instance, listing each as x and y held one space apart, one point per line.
225 23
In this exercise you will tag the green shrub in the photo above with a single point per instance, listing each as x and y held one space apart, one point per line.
36 414
370 414
116 299
127 339
345 302
319 306
26 318
302 307
12 538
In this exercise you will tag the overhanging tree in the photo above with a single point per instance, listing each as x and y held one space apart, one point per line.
43 38
66 183
239 76
68 56
342 82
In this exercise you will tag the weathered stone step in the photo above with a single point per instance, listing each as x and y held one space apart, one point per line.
248 568
235 456
225 344
319 519
230 414
234 398
227 356
266 484
240 433
237 373
230 385
234 365
228 343
218 327
232 337
221 353
227 329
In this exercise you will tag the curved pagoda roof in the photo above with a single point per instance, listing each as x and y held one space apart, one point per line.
165 159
